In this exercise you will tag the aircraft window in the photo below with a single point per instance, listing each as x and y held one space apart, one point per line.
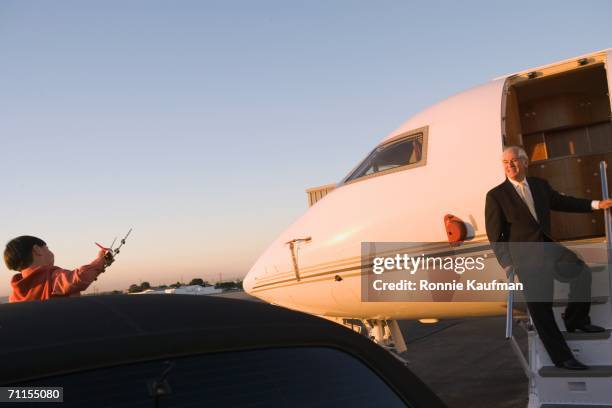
389 157
291 377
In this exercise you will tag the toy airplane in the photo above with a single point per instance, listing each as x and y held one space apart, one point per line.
110 252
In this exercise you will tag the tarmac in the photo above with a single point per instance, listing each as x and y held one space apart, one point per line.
467 362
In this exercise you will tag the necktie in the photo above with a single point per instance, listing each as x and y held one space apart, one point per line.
527 198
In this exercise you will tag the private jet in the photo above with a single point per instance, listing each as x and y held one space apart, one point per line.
424 185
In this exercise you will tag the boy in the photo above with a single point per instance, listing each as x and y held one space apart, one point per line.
39 279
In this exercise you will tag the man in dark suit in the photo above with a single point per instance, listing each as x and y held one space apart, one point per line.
517 214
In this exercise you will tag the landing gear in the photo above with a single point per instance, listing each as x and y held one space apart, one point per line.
387 334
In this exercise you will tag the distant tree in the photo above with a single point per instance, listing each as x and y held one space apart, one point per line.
176 285
145 286
197 281
134 288
116 292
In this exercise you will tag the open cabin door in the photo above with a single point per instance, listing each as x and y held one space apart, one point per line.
562 119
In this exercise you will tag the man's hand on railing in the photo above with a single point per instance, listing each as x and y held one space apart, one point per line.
603 204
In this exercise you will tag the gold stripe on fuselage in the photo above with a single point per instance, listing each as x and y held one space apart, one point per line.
289 279
338 263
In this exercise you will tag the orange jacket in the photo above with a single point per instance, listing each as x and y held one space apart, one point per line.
44 282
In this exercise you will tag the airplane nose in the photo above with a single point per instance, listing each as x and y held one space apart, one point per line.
249 281
276 258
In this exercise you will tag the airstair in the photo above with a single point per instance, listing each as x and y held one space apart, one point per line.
552 387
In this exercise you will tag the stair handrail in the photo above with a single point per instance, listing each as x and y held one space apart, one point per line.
509 306
607 220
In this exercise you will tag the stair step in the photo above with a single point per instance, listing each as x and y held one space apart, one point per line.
519 298
595 300
574 406
592 372
574 391
598 268
577 335
592 349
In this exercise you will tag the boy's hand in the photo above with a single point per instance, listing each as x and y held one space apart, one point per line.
107 255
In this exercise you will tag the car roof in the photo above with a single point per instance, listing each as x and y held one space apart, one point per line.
64 335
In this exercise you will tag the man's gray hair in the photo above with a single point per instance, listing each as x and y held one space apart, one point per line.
518 150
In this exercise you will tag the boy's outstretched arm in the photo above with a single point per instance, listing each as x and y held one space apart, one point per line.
66 282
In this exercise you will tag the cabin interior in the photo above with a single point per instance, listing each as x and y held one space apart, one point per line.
563 121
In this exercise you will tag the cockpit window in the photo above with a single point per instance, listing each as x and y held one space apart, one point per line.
392 156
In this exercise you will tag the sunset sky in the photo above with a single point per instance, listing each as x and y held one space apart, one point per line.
201 123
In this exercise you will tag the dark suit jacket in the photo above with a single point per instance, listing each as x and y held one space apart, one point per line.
508 218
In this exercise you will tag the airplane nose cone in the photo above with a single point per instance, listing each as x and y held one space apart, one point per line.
249 281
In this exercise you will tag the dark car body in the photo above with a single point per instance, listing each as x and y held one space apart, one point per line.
181 350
